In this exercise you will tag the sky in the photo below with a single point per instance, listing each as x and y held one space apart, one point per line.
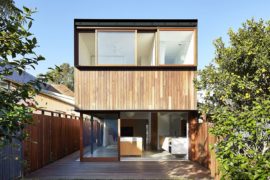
54 19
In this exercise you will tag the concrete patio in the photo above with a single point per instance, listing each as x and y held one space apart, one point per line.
71 168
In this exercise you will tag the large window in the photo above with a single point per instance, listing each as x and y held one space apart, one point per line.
176 47
136 47
87 49
116 48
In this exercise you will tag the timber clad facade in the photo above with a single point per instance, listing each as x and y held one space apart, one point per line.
135 90
134 85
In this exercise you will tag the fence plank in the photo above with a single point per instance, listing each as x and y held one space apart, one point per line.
10 161
200 141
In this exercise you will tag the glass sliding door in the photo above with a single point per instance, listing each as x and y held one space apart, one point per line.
100 139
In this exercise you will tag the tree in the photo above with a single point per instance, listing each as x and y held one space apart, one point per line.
64 75
236 88
7 7
17 46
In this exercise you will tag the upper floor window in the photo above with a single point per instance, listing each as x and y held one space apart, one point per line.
86 48
136 47
116 48
176 47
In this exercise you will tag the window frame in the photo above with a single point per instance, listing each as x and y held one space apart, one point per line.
133 29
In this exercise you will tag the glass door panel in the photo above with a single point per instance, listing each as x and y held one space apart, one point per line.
100 138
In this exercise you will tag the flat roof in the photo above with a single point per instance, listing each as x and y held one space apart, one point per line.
136 22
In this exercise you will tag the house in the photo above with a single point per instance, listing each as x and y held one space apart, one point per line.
134 78
56 98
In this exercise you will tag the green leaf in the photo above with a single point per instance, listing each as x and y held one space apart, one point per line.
29 24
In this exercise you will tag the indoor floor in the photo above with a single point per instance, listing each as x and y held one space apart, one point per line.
149 155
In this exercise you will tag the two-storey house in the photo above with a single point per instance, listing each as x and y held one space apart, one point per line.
134 78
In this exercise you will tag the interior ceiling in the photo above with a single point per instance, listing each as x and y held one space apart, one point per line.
175 36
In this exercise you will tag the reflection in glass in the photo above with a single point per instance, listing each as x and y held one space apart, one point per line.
116 48
102 139
176 47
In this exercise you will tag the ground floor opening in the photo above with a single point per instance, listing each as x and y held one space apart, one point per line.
134 136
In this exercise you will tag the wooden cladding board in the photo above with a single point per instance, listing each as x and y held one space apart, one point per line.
135 90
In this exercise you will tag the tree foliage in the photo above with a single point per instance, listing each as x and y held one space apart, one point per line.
236 88
63 75
7 7
17 46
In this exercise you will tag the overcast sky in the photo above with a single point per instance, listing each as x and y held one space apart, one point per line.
53 25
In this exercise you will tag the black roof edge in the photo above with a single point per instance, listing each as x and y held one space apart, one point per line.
136 22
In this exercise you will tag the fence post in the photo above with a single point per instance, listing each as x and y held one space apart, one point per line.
51 155
81 136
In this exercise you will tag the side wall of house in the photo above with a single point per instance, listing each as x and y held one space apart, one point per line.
52 104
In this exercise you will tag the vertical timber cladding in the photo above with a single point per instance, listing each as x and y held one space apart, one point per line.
122 89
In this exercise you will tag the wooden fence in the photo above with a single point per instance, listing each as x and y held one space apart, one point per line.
51 136
213 166
200 142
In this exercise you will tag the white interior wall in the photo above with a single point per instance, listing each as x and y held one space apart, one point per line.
146 48
86 49
189 59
